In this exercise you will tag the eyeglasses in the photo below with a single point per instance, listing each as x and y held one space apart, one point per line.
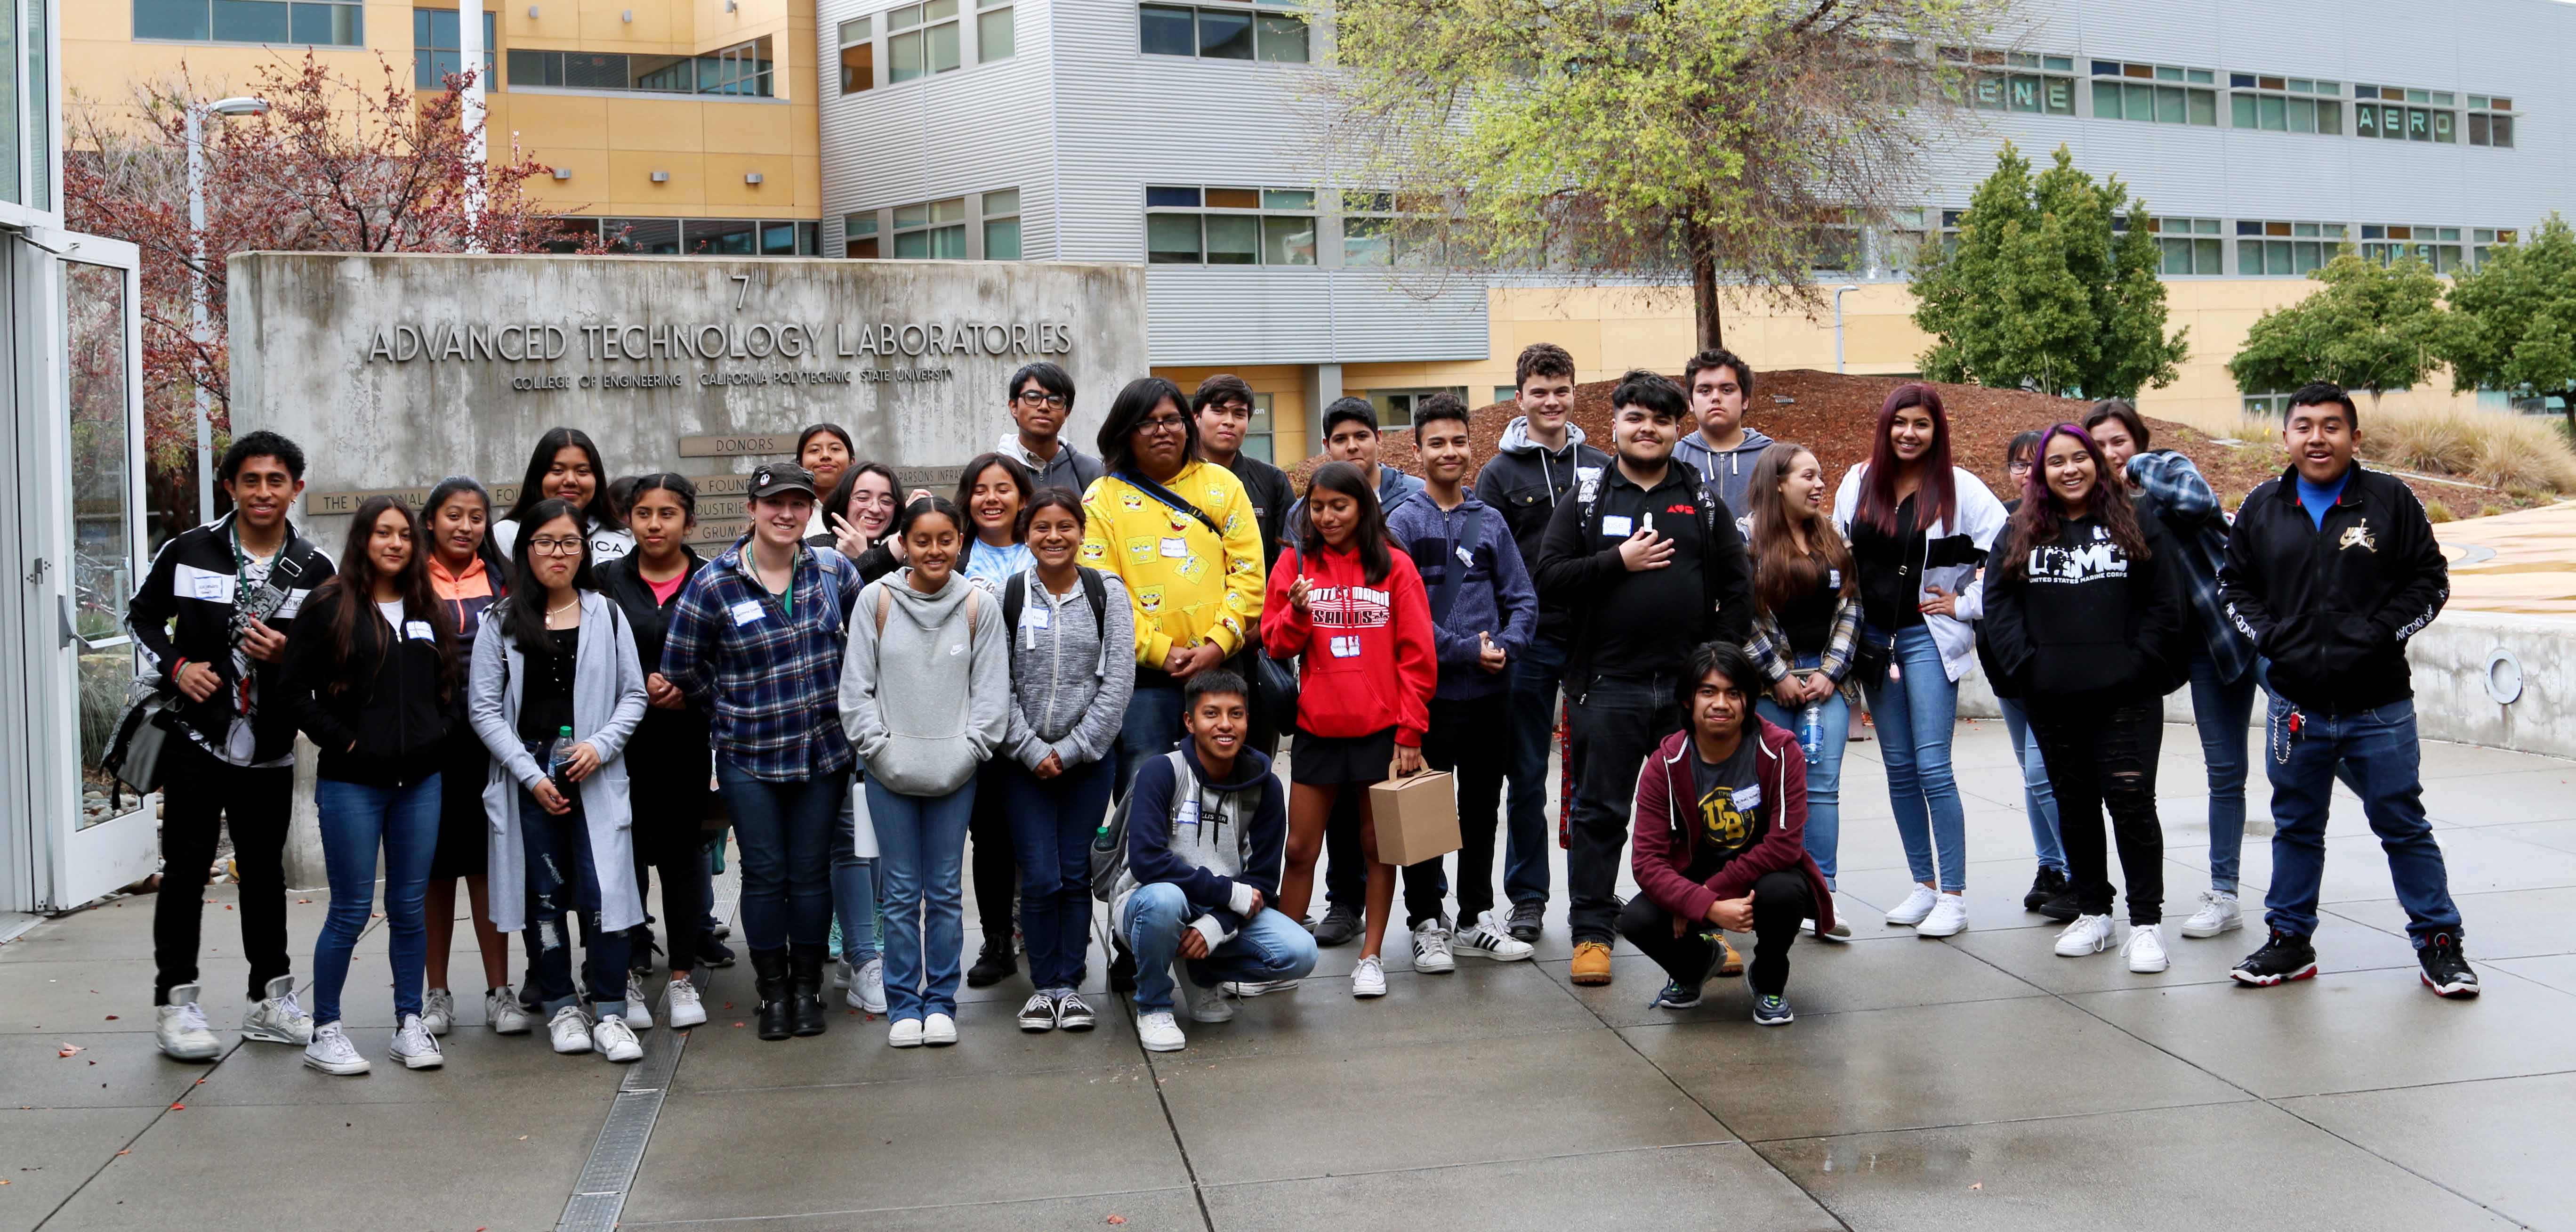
1163 423
555 547
1040 397
2018 468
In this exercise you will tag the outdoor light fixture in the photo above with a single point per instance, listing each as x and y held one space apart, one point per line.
627 16
661 177
563 173
532 12
751 177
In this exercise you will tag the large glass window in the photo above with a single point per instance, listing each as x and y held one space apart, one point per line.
1221 33
744 70
10 128
1229 226
2387 244
2401 114
2029 82
2485 238
997 31
933 229
707 237
438 49
324 23
2191 246
858 56
1001 216
2284 249
2156 93
859 235
922 40
2491 121
2284 104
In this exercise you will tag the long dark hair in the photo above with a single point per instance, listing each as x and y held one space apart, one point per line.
1939 492
1780 571
600 511
353 592
1127 412
525 621
1368 539
966 491
2039 520
836 503
495 566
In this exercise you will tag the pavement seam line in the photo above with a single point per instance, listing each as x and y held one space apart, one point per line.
1128 1003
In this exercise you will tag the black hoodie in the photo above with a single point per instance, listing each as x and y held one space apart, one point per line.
2085 621
384 728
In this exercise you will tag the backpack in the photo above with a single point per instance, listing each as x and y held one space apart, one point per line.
885 598
1109 842
1015 594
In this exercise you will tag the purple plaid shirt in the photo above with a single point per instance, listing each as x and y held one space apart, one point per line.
771 677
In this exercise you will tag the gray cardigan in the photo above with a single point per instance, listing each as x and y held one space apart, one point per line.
607 703
1069 683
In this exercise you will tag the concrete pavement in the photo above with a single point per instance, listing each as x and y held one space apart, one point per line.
1973 1082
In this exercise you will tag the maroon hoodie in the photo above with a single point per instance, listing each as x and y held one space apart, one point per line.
1667 833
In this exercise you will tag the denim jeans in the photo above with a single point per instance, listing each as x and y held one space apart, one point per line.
1916 715
854 887
356 820
2375 753
1825 778
921 842
2222 710
1270 947
563 882
1052 821
1618 721
1535 681
1152 728
785 832
2038 799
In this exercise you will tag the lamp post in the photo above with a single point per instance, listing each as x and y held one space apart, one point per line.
1838 323
197 328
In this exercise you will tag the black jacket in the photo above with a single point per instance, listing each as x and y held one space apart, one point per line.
2084 620
669 746
383 729
1642 624
183 611
2330 608
1270 492
1527 482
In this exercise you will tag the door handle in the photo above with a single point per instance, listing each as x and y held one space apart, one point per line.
72 635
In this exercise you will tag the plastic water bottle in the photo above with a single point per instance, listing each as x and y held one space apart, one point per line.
1811 731
559 761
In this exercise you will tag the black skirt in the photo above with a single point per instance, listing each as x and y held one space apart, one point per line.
1327 761
464 848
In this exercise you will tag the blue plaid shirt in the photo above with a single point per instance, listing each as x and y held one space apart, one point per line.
2171 488
771 677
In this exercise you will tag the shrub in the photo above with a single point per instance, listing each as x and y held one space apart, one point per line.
2437 512
2496 449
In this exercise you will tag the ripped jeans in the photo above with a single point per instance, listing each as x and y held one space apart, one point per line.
2102 757
563 879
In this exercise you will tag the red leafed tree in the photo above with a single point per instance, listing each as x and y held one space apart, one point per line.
334 165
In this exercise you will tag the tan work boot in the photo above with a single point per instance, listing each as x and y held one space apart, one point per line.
1591 962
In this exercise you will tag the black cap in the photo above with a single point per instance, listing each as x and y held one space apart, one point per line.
778 477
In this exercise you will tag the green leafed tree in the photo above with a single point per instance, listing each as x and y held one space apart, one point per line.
2513 318
2372 326
2043 292
1728 143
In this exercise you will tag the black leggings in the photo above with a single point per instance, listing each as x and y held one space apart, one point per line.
669 838
1781 902
2105 756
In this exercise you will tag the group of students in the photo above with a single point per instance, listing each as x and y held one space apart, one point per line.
555 704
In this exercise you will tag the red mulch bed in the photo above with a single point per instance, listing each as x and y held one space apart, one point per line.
1834 415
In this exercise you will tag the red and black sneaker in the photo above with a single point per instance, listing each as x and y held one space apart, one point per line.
2446 970
2285 957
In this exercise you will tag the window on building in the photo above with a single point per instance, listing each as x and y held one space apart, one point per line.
2285 104
2275 249
2157 93
2404 115
321 23
858 55
921 40
859 235
1001 217
2270 404
2491 120
2017 81
2484 239
1834 245
1221 34
437 46
933 229
2191 246
744 71
1900 248
2387 244
1395 407
728 237
997 34
1187 225
1257 434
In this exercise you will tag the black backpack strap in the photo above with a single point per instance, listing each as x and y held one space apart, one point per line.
1015 595
1096 589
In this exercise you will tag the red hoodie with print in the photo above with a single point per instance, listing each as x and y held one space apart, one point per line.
1367 649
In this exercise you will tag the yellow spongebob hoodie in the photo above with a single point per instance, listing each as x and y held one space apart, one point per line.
1186 584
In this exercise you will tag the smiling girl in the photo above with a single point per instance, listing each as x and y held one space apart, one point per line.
1806 619
565 466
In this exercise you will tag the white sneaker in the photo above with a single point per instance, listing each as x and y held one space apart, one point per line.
414 1046
570 1030
2089 934
867 992
1203 1004
612 1037
502 1010
1158 1033
1431 947
639 1012
182 1027
1949 918
277 1019
939 1030
332 1053
2218 914
2145 950
438 1011
1368 979
905 1033
1485 937
1916 906
680 1004
1258 988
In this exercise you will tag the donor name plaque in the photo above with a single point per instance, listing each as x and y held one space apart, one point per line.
396 371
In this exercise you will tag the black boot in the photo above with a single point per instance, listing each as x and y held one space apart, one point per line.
805 989
769 976
994 965
2043 888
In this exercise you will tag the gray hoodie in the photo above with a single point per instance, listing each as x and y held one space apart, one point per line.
1731 470
1069 683
926 699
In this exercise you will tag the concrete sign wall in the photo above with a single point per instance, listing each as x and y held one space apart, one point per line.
395 371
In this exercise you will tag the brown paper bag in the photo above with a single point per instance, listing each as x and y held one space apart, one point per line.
1417 817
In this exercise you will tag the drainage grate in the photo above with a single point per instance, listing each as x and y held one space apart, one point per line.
600 1196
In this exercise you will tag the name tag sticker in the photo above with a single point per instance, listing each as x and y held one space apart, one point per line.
1037 618
1618 526
746 612
214 587
417 630
1748 796
1466 557
1346 646
1833 579
1175 548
